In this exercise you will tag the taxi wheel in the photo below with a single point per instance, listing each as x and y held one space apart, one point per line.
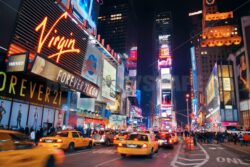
108 143
151 153
50 162
90 145
123 155
71 147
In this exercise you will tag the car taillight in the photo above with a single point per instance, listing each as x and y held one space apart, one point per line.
120 144
144 146
170 141
40 140
59 140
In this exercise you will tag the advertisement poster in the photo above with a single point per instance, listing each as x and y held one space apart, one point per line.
120 76
19 115
59 116
91 67
166 98
117 121
242 76
48 115
35 117
109 81
85 10
4 112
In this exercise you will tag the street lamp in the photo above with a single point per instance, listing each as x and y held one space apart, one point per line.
187 98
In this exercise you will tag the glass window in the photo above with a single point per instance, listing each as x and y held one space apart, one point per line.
225 71
19 137
138 137
227 98
61 134
75 135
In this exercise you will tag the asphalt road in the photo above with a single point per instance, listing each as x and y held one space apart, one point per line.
205 155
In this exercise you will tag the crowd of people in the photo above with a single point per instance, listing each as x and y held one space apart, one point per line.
221 137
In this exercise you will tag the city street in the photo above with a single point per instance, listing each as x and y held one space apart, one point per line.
206 155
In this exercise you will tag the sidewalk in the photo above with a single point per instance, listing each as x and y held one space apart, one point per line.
238 147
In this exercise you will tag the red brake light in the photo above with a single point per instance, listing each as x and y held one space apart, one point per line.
120 144
170 141
135 139
144 145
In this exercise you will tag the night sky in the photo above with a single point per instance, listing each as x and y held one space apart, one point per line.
144 10
181 62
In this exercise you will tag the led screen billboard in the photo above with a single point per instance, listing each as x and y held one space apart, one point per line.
85 10
91 67
166 99
109 81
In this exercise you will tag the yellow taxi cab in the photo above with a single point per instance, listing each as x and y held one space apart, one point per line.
138 144
67 140
120 137
18 151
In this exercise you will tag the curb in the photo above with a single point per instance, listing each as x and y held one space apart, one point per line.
235 149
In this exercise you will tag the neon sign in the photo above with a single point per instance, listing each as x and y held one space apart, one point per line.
165 63
62 44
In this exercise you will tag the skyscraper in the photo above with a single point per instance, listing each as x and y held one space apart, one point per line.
116 25
220 36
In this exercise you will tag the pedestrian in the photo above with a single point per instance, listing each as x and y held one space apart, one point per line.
235 138
32 134
245 139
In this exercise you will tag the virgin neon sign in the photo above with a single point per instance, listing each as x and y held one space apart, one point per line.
62 44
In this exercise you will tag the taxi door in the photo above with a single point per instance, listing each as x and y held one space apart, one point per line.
77 139
84 140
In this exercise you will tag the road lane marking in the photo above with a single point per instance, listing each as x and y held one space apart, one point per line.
185 164
77 153
106 162
176 156
231 161
190 159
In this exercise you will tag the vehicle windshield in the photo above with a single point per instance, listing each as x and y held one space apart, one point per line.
164 136
61 134
138 137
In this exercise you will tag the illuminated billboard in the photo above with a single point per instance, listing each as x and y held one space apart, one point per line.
165 63
17 63
92 64
52 34
109 81
166 99
164 52
84 10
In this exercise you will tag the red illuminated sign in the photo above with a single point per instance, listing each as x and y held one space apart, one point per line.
164 53
62 44
165 63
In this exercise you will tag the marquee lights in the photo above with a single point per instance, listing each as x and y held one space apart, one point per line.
61 43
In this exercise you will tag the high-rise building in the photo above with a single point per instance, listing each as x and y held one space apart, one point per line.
220 36
162 34
116 25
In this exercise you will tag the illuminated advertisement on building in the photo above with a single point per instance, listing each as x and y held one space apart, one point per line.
91 64
109 81
166 99
135 111
165 71
19 115
17 63
164 39
117 121
120 76
165 63
194 71
4 112
31 89
242 76
59 116
133 54
210 90
48 116
166 82
164 52
84 10
35 117
57 74
130 87
52 34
